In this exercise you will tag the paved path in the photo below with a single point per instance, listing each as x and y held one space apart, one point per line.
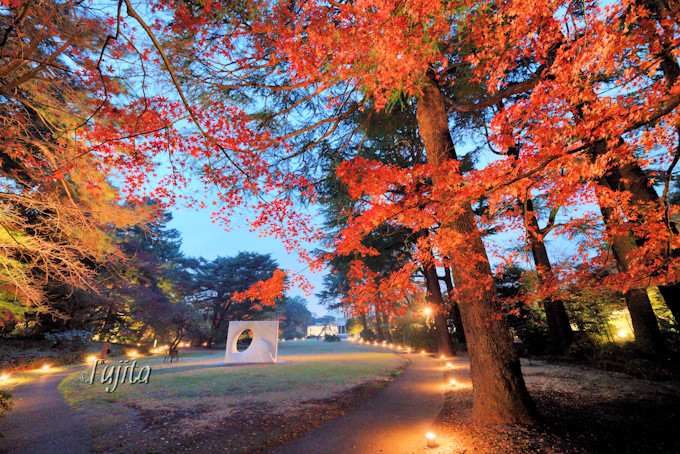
41 422
393 422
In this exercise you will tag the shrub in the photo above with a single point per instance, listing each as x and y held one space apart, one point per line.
418 337
331 338
5 404
367 335
533 332
584 346
70 340
291 334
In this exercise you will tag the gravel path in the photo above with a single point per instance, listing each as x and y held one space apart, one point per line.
394 422
41 422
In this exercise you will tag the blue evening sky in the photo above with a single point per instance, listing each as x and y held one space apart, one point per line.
203 238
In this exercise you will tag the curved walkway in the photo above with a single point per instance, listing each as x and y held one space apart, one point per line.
394 422
41 422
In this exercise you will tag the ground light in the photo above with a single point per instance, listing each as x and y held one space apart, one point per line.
449 365
442 357
132 353
4 376
422 352
452 382
431 440
91 358
45 367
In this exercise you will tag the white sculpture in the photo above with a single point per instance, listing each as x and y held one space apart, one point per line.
263 348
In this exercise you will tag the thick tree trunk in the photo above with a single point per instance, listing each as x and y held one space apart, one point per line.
218 317
455 310
364 323
385 326
500 394
645 326
378 327
671 295
434 297
629 176
559 328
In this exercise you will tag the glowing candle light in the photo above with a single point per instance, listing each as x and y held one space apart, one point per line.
431 440
452 382
422 352
92 358
4 376
46 367
449 365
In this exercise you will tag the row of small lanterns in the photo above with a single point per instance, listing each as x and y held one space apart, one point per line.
430 437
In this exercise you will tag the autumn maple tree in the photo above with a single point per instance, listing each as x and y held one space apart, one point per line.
578 99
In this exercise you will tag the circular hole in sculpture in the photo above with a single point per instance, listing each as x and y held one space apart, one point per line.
244 340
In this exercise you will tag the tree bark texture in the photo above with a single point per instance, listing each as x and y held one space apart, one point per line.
559 328
500 394
434 298
455 310
645 325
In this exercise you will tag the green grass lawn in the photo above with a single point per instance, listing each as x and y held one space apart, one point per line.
192 396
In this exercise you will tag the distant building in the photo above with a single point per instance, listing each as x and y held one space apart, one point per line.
338 328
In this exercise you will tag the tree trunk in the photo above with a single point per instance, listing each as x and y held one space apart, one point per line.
378 327
645 326
629 176
434 297
364 323
218 317
500 394
384 323
671 295
455 310
559 328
